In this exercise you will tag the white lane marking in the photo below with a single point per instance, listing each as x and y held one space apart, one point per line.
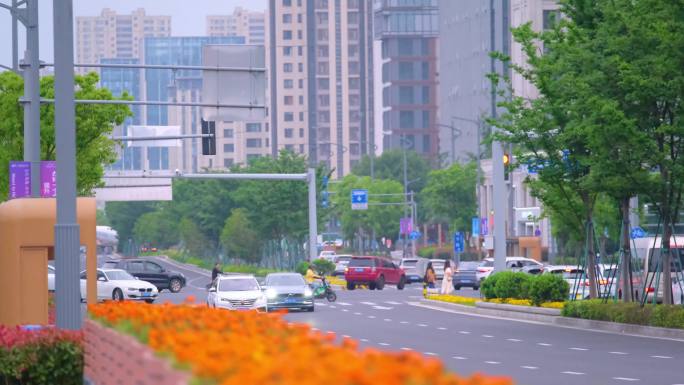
406 349
345 336
487 336
345 310
619 353
626 379
459 358
363 340
442 328
422 325
573 373
492 362
371 317
344 304
388 320
404 322
369 303
430 354
464 332
321 304
543 344
357 313
415 297
333 307
315 329
393 303
382 308
513 340
383 344
663 357
530 367
579 349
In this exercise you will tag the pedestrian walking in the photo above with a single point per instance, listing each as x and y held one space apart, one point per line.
430 276
216 271
447 283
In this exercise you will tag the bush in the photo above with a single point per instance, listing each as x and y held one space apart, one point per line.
323 266
668 316
302 267
426 252
44 357
548 288
445 253
630 313
512 285
488 286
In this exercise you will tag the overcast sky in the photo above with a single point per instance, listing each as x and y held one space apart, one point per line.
187 17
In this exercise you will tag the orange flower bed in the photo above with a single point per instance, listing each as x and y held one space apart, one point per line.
237 348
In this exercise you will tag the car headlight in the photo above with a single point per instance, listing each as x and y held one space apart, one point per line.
308 292
132 289
224 299
271 294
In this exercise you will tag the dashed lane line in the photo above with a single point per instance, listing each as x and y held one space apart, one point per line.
371 317
460 358
513 340
395 303
387 320
422 325
357 313
579 349
404 322
383 344
662 357
369 303
406 349
487 336
629 379
573 373
344 304
442 328
430 354
619 353
464 332
492 362
378 307
543 344
530 367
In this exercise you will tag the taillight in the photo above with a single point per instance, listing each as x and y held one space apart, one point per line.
650 290
346 269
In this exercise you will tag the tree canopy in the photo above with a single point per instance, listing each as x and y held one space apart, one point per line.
450 195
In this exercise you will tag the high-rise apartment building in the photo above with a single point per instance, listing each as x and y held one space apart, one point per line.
408 32
320 62
110 35
243 22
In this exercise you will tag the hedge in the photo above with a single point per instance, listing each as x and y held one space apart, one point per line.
667 316
40 357
517 285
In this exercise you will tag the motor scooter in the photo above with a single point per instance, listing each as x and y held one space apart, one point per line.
324 290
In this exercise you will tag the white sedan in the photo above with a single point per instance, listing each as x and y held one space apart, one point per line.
118 285
236 292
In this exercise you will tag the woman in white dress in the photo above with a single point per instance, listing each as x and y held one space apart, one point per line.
447 283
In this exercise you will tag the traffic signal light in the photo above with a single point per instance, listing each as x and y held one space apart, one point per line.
324 192
208 142
507 165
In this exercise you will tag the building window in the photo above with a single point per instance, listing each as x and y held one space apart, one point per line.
322 68
287 67
353 34
426 119
228 147
406 95
353 68
289 147
301 83
406 119
354 83
323 100
323 51
354 100
353 50
324 116
301 132
352 17
228 133
227 162
253 143
425 70
288 83
301 148
289 133
321 4
405 70
301 67
354 116
287 51
299 34
551 17
354 149
405 47
253 127
300 51
288 100
324 83
287 18
287 34
287 3
321 18
301 100
299 18
288 116
322 34
426 143
301 116
426 95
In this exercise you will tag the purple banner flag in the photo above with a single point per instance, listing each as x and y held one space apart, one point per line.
19 179
48 179
405 226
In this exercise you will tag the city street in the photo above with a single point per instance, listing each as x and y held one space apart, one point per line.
533 354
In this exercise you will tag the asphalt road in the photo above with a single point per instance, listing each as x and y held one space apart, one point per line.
530 353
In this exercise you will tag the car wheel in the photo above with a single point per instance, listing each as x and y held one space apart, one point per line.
310 309
175 285
351 286
371 286
476 287
456 287
402 283
117 295
149 300
380 284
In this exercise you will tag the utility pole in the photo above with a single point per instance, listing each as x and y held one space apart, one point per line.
31 72
405 193
67 230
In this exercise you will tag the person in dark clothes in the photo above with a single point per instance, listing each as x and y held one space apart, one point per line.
216 271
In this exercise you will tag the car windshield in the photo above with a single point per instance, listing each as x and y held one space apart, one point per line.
118 275
285 280
409 263
438 264
572 274
109 265
239 284
468 266
487 263
343 259
361 262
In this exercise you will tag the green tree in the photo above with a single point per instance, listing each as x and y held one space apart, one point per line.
123 215
450 195
193 240
390 165
102 219
238 238
156 228
94 123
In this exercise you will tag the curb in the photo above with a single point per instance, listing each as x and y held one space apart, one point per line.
525 313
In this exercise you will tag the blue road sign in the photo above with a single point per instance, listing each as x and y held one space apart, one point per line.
415 234
637 232
458 242
359 199
476 227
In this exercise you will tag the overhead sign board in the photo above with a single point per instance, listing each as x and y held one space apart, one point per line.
359 199
19 179
459 242
48 179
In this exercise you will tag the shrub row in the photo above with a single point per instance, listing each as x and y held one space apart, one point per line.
667 316
206 264
40 357
537 288
320 265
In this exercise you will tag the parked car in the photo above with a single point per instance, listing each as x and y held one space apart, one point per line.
374 272
533 269
236 292
288 291
118 285
341 262
51 278
150 271
465 275
414 269
512 263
